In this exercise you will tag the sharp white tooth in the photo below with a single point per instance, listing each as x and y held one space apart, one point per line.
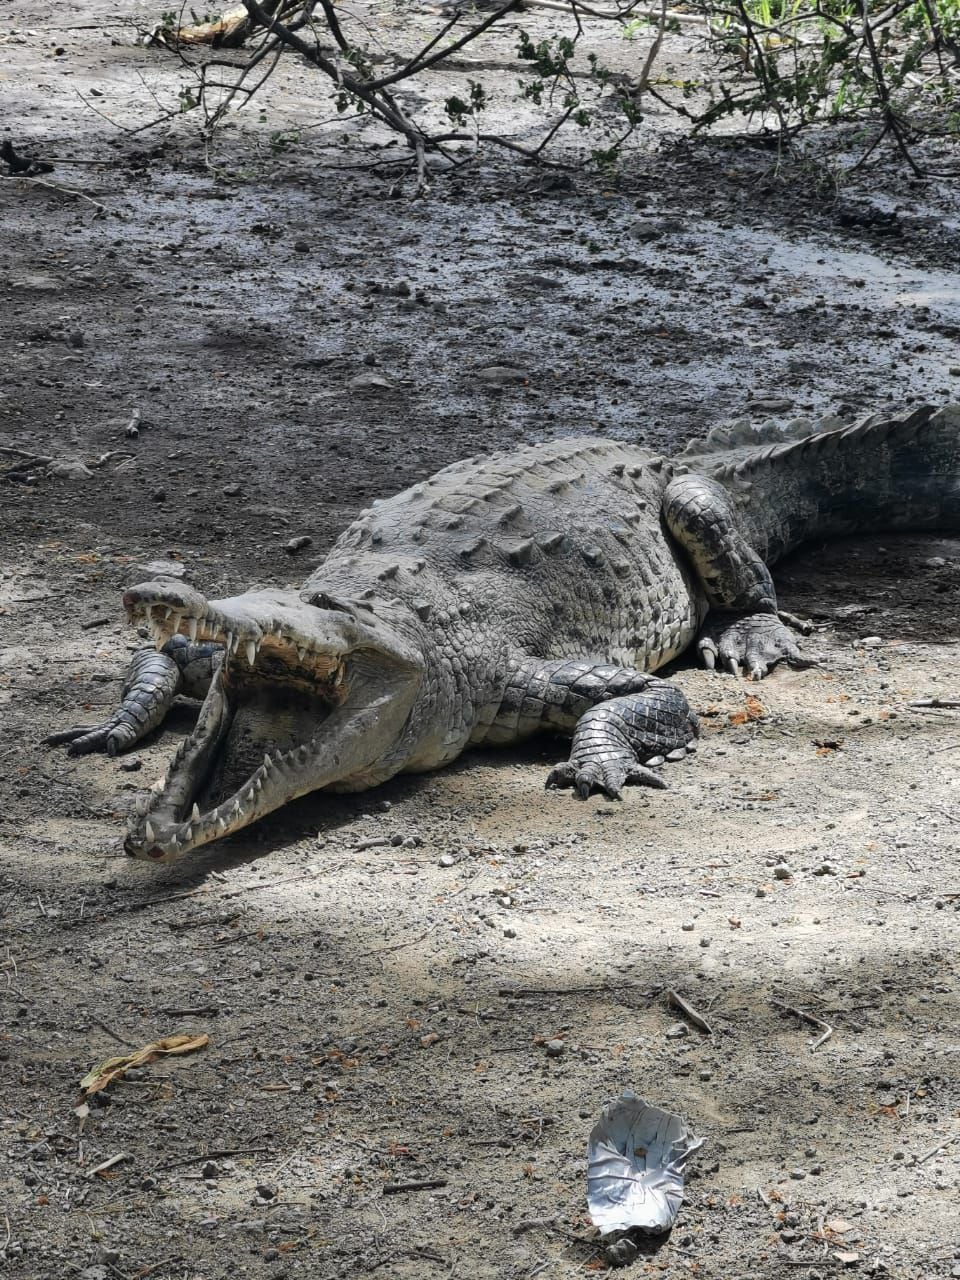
192 625
221 823
186 837
229 642
258 785
175 622
252 652
195 815
301 651
149 832
166 614
267 762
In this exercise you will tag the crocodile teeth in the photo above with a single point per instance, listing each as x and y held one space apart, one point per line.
192 625
195 814
252 652
301 651
221 824
186 837
267 762
149 832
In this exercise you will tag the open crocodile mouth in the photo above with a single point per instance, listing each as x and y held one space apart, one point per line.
258 738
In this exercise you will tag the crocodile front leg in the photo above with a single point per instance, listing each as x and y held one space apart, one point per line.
750 631
623 722
154 680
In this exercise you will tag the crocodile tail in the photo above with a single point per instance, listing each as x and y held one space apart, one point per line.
887 472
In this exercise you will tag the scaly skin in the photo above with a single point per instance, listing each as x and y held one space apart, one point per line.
525 591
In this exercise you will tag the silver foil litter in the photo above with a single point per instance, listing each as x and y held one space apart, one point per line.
635 1161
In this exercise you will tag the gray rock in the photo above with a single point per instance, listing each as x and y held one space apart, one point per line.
69 469
502 375
555 1048
370 382
782 871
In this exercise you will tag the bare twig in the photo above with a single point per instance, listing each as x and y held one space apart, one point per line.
423 1184
64 191
810 1019
104 1165
677 1002
97 1022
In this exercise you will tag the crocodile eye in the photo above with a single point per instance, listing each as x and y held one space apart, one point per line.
324 601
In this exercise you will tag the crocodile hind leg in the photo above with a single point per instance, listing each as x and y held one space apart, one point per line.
749 632
154 680
623 721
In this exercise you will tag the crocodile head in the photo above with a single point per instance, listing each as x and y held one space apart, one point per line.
308 694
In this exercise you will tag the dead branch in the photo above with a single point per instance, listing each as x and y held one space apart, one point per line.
677 1002
810 1019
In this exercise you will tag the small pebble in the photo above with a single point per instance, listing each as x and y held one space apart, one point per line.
298 544
509 933
232 490
677 1031
825 869
798 1174
210 1170
158 495
447 860
871 642
782 871
131 765
704 942
760 891
265 1191
555 1048
688 926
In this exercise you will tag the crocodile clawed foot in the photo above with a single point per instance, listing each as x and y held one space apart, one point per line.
606 780
753 643
85 739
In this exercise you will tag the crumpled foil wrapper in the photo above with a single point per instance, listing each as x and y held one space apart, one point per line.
635 1161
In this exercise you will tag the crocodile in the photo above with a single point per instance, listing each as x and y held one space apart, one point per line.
536 589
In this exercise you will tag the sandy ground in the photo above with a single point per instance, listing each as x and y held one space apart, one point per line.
379 976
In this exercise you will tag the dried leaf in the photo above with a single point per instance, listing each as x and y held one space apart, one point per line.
839 1226
112 1068
847 1256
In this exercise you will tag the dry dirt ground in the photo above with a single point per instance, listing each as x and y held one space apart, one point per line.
379 976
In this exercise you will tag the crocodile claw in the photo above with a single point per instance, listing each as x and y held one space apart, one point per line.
609 780
755 642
